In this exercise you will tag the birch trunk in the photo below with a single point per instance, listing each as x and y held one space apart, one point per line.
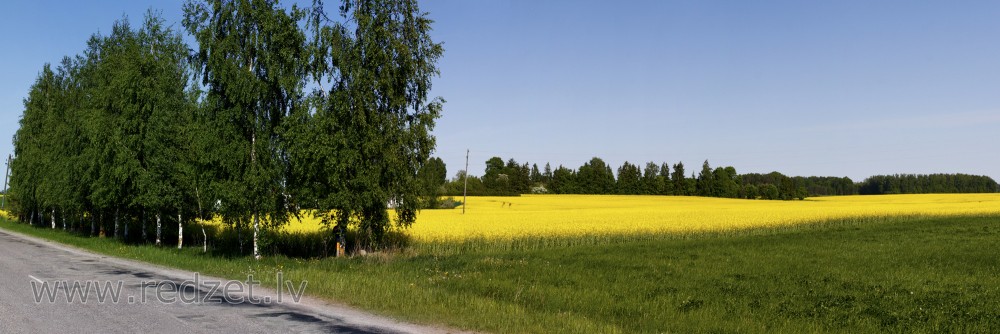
253 161
180 231
53 218
158 229
201 221
256 230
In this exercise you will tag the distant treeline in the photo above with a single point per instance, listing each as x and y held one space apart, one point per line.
926 184
596 177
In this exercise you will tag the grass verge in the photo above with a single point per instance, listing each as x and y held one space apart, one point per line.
904 274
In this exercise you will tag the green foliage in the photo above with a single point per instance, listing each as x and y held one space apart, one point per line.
666 185
357 147
925 184
595 177
519 175
251 58
122 133
30 141
495 177
775 185
706 185
749 191
677 178
769 191
535 178
101 133
459 186
630 180
547 174
432 176
508 179
652 183
727 182
563 181
827 185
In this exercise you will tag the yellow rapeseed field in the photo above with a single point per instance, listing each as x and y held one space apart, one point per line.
572 215
569 215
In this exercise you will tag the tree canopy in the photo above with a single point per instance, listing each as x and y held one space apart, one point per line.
275 110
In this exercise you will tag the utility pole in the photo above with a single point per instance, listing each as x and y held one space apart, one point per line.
6 174
465 188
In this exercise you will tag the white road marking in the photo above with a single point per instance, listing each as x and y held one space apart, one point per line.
36 279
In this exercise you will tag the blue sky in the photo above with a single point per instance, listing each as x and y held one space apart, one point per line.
837 88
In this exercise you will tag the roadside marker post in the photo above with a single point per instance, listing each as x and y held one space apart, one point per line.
6 174
465 188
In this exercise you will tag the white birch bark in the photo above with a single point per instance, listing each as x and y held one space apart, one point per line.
256 230
159 229
180 231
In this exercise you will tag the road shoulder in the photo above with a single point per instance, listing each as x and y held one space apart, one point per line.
305 305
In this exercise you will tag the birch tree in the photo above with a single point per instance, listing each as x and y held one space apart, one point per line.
359 147
250 58
163 64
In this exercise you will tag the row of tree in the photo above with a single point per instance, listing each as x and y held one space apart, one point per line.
925 184
275 110
597 177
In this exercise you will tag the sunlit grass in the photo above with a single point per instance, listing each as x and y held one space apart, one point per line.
877 274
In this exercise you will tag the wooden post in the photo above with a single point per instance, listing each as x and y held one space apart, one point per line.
341 243
6 174
465 188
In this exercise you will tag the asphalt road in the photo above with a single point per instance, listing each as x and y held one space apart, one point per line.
149 301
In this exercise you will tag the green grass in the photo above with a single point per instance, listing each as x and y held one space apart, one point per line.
914 274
